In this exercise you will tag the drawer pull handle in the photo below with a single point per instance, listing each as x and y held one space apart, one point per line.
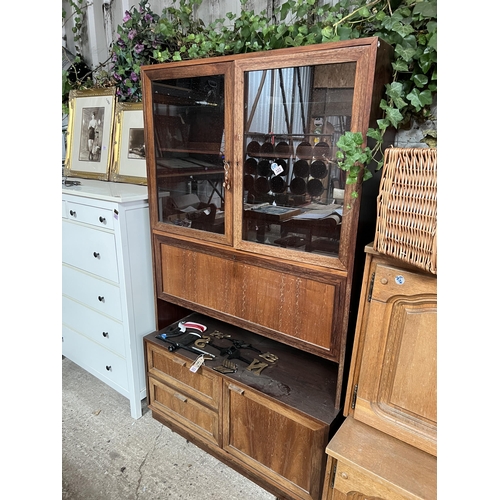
180 397
100 298
108 367
179 361
234 388
105 334
97 255
72 213
102 220
344 475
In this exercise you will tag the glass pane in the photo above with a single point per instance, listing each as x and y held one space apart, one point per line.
188 116
293 187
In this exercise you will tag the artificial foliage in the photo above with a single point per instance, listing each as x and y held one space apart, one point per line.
175 34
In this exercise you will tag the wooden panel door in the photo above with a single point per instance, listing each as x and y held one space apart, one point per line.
396 386
286 447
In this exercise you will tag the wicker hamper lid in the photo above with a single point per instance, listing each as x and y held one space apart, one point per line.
407 207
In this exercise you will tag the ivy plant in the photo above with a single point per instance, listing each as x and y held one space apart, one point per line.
409 26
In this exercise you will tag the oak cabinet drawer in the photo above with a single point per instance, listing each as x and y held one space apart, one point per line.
89 249
204 386
99 217
185 410
97 360
96 293
97 327
350 480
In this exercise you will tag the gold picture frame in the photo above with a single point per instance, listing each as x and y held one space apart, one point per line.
129 157
90 133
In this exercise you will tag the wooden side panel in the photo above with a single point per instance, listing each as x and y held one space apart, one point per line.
397 385
278 442
293 308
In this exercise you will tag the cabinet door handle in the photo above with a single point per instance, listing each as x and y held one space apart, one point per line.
108 367
72 213
227 183
237 389
97 255
102 220
180 397
100 298
105 334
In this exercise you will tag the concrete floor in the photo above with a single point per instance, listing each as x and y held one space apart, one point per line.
106 454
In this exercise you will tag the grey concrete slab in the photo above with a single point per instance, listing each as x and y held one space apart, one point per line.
106 454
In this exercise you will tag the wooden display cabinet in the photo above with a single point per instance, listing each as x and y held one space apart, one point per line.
252 221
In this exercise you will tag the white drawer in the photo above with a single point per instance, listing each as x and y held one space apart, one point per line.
100 217
90 249
102 296
104 364
100 328
64 212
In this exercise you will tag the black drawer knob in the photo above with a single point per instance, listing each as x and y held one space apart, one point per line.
97 255
105 334
108 367
72 213
101 298
102 220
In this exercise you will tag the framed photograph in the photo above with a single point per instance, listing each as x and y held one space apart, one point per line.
90 133
129 156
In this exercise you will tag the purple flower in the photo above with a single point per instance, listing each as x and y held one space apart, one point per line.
120 42
127 16
132 34
138 48
148 18
133 76
117 77
114 57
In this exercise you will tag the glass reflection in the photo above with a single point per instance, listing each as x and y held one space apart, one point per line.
188 116
293 187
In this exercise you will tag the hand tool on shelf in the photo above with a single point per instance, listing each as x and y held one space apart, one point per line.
189 339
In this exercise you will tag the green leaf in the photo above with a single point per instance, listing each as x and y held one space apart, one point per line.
419 80
425 9
406 53
394 116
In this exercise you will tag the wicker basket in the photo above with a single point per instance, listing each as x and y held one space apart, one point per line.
407 207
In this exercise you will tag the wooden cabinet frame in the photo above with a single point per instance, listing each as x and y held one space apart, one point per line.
302 299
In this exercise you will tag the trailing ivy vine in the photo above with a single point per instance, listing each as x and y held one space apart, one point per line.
410 26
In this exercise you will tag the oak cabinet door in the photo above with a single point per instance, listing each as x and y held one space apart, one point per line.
396 389
283 445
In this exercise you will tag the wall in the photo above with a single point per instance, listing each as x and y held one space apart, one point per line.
103 16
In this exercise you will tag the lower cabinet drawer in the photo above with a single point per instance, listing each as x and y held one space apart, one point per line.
176 406
204 386
99 328
354 484
104 364
102 296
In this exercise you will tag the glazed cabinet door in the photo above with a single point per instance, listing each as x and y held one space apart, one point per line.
284 446
187 118
396 386
290 114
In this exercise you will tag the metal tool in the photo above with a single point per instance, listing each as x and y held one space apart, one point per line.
185 345
239 344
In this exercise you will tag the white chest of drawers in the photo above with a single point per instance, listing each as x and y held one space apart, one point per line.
107 283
